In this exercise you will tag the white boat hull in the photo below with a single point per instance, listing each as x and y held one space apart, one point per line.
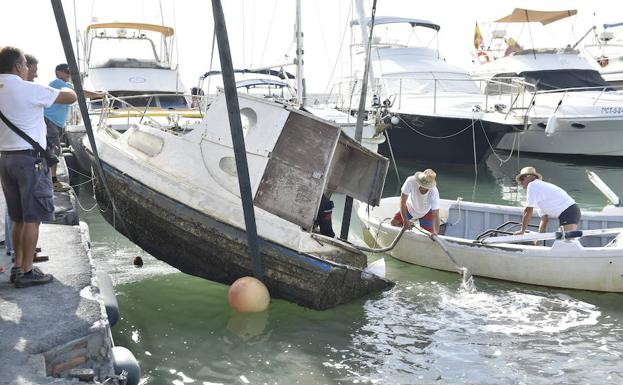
565 264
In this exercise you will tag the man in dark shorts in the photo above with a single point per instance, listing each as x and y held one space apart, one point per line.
26 181
549 199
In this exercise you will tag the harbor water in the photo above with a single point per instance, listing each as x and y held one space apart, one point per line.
425 330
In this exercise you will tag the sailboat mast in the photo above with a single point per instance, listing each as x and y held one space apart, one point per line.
300 79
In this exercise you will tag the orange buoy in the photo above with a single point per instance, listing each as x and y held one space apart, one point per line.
248 295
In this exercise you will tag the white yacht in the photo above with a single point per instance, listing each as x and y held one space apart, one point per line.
570 107
141 77
436 110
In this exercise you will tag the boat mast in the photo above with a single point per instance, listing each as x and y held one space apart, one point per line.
300 79
348 203
235 124
365 40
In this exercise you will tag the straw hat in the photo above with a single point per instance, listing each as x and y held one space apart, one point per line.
529 170
426 178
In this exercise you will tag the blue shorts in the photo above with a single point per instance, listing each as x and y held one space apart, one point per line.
27 187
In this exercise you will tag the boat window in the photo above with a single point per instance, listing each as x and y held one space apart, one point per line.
566 78
172 101
130 52
430 83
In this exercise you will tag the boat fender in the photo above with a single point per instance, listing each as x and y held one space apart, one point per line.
124 360
108 295
483 57
395 120
552 124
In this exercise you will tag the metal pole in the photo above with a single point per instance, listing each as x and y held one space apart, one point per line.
63 31
348 203
300 79
233 110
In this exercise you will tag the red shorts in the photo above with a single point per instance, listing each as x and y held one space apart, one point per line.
426 222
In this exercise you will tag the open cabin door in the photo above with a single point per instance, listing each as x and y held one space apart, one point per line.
310 157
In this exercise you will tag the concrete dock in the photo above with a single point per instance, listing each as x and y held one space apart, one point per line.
51 330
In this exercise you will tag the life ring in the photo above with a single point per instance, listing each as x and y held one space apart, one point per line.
603 61
483 57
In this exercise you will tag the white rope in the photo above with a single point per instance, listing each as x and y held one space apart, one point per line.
435 137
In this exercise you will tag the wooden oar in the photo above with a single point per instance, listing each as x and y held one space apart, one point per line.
554 235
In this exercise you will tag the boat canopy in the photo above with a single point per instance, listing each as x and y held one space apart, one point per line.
612 25
556 79
277 73
522 15
164 30
260 82
397 20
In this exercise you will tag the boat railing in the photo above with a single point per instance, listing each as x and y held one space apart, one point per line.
123 107
399 90
513 85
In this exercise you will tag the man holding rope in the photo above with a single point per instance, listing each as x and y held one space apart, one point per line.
419 199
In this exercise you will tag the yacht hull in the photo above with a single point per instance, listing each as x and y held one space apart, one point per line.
573 136
442 139
205 247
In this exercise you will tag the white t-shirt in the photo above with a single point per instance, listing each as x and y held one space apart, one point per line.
548 198
22 103
419 204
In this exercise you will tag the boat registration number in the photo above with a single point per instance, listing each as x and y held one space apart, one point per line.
612 110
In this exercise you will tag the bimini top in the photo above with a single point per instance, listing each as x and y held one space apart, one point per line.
396 20
164 30
606 26
521 15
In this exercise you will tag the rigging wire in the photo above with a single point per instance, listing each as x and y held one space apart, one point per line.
270 26
339 52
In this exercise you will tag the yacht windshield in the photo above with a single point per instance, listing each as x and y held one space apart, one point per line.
140 50
431 83
566 78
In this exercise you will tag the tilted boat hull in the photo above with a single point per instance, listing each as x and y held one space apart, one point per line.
202 246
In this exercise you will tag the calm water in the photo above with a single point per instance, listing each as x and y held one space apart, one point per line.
423 331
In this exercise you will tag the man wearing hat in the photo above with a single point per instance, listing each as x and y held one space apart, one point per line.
419 199
550 201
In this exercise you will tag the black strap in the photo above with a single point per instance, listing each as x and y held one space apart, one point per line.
27 138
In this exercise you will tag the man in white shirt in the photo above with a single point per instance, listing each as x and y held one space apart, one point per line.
25 175
419 199
550 201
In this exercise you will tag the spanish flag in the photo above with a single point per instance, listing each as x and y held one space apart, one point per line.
478 40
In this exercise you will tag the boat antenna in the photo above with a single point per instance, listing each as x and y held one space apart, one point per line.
63 31
233 111
348 204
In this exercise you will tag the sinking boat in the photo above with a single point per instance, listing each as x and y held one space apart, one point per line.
178 194
479 237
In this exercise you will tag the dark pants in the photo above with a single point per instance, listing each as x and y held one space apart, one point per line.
27 187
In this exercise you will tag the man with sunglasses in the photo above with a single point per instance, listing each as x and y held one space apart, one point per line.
550 201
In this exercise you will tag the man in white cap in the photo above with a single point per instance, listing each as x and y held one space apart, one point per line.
550 201
419 199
